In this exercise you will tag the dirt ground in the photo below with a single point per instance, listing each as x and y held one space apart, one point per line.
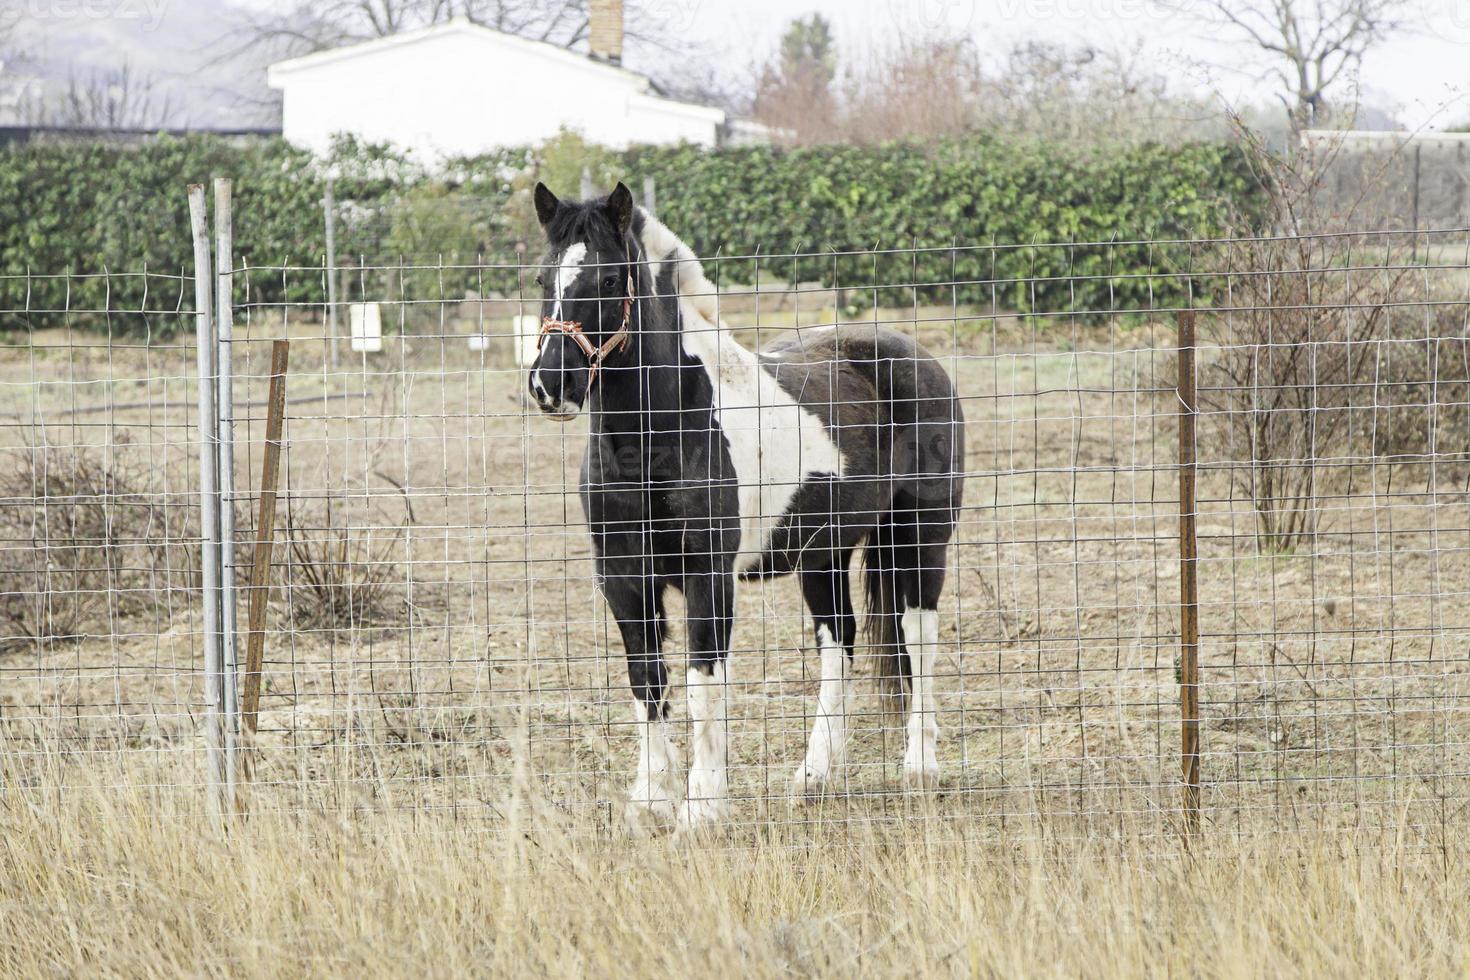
478 652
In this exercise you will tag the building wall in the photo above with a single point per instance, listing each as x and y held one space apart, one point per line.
463 92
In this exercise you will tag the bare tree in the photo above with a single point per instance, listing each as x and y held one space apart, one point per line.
9 21
114 98
941 87
917 90
1314 44
1090 95
794 94
324 24
264 34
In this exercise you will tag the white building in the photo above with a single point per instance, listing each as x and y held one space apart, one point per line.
459 88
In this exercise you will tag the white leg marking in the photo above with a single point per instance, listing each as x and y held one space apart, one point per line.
826 752
655 790
708 799
921 640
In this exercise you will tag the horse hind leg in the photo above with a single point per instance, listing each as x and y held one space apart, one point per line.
921 543
920 623
828 598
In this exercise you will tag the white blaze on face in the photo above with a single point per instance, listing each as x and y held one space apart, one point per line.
567 273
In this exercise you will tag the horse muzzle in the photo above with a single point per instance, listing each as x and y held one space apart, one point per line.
553 406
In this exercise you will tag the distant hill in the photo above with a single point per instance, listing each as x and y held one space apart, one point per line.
181 45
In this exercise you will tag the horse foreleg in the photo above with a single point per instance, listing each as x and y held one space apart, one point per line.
710 602
638 607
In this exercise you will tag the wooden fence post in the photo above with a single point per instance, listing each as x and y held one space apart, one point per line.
265 530
1188 577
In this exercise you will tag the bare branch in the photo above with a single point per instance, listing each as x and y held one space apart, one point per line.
1314 42
117 98
321 24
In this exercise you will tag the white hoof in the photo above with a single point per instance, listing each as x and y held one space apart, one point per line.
701 814
646 817
809 784
920 777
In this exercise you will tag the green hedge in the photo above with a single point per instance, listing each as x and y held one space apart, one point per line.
74 212
1021 198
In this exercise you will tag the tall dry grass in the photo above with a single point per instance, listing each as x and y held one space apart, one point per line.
105 882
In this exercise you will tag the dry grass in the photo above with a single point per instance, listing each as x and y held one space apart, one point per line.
132 882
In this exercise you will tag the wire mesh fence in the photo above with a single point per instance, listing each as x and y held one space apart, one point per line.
435 636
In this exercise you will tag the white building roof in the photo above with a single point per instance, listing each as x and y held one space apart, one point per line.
570 89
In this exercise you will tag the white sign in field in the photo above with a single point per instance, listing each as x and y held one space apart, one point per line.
367 327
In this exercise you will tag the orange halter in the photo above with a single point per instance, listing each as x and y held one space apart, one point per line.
573 329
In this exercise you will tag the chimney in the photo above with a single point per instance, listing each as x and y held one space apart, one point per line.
605 30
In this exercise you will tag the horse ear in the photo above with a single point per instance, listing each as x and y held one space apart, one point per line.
546 204
620 207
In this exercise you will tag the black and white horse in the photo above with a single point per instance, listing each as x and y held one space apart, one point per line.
707 462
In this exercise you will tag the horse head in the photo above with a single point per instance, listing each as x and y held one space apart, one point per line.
588 283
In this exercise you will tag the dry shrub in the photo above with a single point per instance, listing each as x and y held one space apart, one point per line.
342 570
1297 358
1422 407
85 540
918 91
1311 311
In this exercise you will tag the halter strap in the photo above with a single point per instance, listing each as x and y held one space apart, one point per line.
573 329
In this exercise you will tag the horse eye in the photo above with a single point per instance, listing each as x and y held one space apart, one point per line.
539 280
610 282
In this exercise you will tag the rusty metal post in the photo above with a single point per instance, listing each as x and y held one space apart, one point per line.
1188 576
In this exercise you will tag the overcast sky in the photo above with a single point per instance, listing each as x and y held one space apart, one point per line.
1422 73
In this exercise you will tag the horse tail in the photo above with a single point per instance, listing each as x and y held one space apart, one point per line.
883 618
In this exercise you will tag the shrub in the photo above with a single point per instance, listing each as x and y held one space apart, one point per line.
974 192
340 574
1314 316
83 542
1421 406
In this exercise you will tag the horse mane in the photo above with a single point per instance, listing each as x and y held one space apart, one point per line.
663 247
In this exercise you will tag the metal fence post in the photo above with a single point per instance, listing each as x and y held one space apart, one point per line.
1188 578
224 230
214 707
329 207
